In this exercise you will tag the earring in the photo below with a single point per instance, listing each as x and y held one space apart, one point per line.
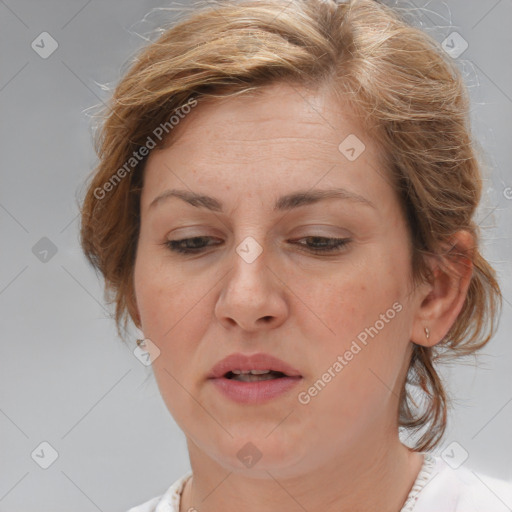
140 342
427 333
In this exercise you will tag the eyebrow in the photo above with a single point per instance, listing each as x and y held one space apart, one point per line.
284 203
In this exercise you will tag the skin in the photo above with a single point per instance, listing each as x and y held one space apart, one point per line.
341 451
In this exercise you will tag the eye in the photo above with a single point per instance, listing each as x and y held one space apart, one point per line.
188 245
317 245
322 244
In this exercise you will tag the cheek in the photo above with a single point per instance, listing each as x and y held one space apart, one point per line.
174 310
166 309
160 295
354 296
364 324
361 309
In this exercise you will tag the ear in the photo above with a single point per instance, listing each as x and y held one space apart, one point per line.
441 300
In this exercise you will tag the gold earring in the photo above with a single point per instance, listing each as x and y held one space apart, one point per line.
427 333
140 342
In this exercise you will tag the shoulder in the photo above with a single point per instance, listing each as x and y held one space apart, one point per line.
167 502
463 490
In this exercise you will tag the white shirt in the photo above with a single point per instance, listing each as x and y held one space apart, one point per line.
437 488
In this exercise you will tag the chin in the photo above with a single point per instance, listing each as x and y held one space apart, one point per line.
258 456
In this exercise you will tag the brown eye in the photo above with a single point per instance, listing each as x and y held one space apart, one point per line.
188 245
315 244
322 244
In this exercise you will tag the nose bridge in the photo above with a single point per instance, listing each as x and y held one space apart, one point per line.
251 295
249 266
250 249
251 232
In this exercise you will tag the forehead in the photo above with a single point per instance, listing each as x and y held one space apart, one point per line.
282 111
281 138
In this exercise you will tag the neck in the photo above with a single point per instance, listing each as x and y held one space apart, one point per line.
374 478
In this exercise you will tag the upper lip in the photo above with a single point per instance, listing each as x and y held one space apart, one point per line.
258 361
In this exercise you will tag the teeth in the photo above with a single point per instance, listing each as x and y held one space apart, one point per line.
248 377
253 372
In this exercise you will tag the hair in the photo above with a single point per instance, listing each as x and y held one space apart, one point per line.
407 91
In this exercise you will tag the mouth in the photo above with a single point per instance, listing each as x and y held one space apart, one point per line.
253 379
256 366
255 389
254 375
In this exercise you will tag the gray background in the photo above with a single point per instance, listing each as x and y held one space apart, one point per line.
65 376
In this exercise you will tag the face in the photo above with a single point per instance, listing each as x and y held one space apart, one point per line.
267 275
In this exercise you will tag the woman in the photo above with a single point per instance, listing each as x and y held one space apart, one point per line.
283 206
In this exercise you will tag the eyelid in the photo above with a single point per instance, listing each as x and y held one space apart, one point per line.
319 229
334 247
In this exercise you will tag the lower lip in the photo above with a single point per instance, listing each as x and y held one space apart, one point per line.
255 392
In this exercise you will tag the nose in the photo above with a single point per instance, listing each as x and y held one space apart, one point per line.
253 297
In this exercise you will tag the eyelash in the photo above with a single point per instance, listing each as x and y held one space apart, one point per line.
174 245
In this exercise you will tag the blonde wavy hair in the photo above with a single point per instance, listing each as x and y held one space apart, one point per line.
409 94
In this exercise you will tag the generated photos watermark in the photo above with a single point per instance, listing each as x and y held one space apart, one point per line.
137 156
304 397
